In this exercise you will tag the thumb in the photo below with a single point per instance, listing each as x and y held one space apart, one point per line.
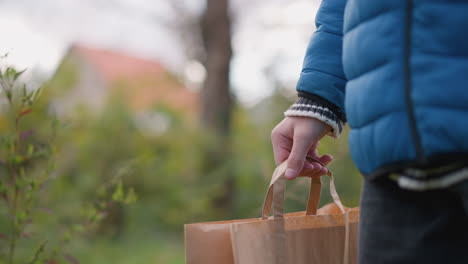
297 157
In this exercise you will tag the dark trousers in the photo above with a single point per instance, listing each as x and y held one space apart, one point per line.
399 226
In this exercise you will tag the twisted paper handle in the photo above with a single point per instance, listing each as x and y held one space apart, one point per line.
275 198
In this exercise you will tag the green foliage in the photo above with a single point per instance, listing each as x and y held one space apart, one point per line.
24 163
36 225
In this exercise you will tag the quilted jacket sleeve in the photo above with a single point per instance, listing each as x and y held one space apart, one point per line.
321 85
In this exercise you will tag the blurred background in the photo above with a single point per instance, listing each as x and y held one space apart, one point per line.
169 102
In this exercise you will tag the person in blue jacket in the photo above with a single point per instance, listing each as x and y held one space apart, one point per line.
397 72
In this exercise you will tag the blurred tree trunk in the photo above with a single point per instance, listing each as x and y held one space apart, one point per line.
216 100
215 94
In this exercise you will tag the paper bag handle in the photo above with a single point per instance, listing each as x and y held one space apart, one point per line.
275 195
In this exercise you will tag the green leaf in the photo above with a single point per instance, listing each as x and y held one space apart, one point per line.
118 194
20 216
131 196
9 95
30 149
10 71
18 74
37 93
38 253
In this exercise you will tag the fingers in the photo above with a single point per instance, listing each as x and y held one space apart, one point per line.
281 145
301 144
315 169
308 167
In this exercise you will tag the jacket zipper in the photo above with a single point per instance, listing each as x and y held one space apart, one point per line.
409 103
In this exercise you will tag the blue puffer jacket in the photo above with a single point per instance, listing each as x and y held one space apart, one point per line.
399 70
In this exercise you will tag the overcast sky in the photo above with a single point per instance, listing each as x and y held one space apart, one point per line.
268 33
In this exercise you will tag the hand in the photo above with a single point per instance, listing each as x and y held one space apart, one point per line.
293 139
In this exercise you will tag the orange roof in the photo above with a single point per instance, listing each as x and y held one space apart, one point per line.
143 82
113 65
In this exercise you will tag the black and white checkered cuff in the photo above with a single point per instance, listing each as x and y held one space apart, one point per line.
310 108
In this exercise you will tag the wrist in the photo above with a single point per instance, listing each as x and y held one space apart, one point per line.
308 108
321 127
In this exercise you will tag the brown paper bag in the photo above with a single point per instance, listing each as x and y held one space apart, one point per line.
324 236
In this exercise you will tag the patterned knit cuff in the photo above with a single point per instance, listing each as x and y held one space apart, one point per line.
311 108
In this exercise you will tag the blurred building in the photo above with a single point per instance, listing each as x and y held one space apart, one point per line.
95 76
